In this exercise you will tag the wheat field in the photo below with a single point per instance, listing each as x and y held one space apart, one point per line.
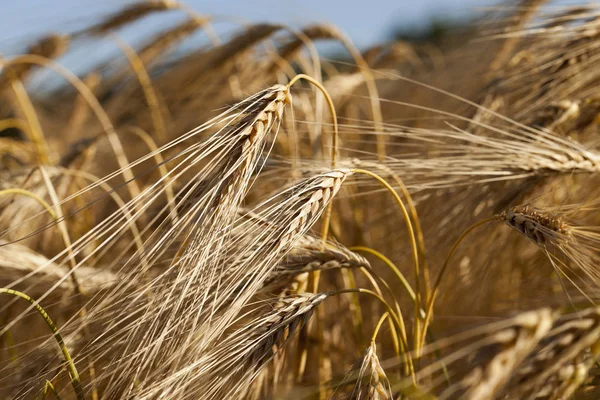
250 218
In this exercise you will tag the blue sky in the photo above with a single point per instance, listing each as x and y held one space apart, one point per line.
365 21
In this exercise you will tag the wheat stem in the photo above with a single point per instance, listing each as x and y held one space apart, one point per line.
137 65
413 243
394 317
393 331
394 269
62 227
357 320
10 342
32 195
96 107
429 310
35 130
75 382
334 149
49 388
378 326
412 209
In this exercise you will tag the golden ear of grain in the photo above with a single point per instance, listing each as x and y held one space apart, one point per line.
372 382
569 379
277 97
250 137
310 255
561 361
563 116
536 225
523 13
504 351
289 314
325 187
36 274
307 256
50 47
313 32
250 347
189 312
237 46
322 189
164 40
130 14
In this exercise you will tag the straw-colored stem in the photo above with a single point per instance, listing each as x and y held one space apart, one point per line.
394 269
417 225
35 132
411 293
10 342
80 112
32 195
334 148
137 65
413 243
96 107
75 382
357 320
393 332
394 317
378 326
431 300
49 388
62 227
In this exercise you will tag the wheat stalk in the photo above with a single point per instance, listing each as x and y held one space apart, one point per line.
73 374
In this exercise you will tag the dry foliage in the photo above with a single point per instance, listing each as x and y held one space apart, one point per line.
248 219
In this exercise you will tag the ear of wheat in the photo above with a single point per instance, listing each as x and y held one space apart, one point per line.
555 237
539 227
561 360
371 381
130 14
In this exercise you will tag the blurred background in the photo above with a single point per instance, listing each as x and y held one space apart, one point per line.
366 22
